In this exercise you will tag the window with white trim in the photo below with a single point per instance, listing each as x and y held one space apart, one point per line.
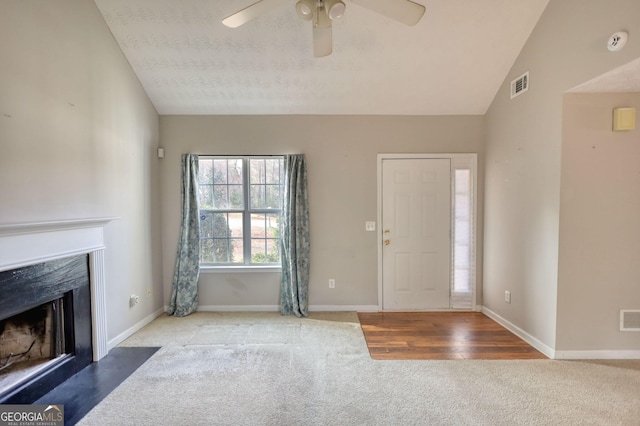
240 206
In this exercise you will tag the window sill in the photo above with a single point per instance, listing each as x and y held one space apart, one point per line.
239 269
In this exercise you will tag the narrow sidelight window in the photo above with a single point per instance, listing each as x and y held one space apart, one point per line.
463 277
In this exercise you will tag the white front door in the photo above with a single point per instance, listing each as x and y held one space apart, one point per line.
416 223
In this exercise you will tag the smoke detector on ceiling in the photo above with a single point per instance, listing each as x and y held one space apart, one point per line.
617 41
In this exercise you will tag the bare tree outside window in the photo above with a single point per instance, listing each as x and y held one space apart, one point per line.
240 206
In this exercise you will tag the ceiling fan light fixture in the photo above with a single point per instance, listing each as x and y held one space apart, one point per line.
334 8
305 9
323 12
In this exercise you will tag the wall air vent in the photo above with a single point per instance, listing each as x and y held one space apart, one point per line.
630 320
520 85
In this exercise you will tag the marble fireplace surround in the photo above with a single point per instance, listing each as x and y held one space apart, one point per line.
24 244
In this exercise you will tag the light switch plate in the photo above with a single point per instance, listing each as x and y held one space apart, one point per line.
370 226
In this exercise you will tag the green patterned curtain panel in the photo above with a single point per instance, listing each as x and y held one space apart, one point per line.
295 239
184 296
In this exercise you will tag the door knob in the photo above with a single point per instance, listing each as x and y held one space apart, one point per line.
387 242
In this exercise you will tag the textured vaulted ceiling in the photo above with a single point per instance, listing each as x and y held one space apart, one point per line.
452 62
623 79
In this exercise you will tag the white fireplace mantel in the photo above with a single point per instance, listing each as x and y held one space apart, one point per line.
23 244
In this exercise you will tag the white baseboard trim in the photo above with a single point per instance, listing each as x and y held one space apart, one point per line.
590 355
128 332
238 308
276 308
546 350
343 308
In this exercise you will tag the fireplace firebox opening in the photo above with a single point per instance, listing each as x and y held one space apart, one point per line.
33 340
45 327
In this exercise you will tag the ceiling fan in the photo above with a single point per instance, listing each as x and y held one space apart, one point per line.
323 12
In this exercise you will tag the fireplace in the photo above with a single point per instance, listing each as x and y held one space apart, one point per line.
45 319
52 304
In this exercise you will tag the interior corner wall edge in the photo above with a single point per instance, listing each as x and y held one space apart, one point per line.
78 135
523 158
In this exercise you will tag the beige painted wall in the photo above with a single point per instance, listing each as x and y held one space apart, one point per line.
523 156
77 140
342 165
599 224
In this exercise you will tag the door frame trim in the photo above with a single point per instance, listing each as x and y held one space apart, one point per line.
473 159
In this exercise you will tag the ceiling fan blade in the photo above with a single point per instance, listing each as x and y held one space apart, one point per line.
322 41
404 11
251 12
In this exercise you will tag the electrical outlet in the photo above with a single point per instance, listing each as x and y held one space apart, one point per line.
507 296
148 291
134 300
332 283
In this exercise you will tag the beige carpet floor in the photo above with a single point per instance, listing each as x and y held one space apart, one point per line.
265 369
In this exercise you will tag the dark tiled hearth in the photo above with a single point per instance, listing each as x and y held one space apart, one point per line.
82 392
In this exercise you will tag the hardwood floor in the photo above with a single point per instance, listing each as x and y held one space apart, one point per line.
441 335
